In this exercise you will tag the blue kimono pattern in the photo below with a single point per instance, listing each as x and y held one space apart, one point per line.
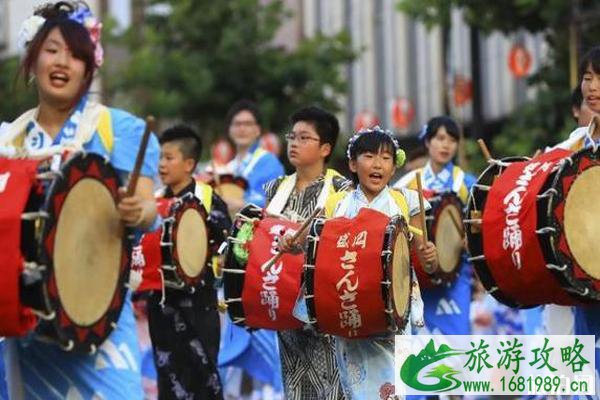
447 309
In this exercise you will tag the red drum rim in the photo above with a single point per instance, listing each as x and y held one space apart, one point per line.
82 337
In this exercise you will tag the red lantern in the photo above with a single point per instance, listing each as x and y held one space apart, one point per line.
365 119
519 61
271 142
222 152
462 90
403 113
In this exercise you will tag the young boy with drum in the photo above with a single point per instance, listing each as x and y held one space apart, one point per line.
373 156
446 305
184 325
62 53
307 360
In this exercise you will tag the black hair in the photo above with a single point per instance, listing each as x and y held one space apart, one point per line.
371 142
590 59
436 123
243 105
325 123
186 138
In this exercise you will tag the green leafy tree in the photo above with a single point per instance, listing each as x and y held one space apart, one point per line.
195 60
547 119
15 96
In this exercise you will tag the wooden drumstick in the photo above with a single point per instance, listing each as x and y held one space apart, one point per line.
139 160
300 231
484 149
537 153
428 268
422 207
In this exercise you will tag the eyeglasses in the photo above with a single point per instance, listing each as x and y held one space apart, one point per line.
302 139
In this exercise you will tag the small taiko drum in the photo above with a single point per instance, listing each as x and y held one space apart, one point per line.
258 293
357 275
74 250
534 226
230 186
444 225
178 253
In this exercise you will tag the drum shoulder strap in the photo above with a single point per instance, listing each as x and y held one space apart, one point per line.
204 193
458 186
332 201
401 202
105 129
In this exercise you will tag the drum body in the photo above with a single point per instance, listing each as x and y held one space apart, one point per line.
357 275
178 253
259 295
444 226
77 253
537 241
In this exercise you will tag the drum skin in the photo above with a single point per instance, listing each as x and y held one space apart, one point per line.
86 250
447 239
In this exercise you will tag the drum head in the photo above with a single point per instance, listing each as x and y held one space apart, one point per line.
230 190
401 274
582 220
87 251
192 243
448 239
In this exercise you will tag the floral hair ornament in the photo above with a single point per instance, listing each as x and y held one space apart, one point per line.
423 133
400 155
82 15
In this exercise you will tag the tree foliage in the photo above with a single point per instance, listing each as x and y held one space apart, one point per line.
15 96
194 61
547 119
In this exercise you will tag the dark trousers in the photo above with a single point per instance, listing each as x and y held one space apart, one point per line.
185 342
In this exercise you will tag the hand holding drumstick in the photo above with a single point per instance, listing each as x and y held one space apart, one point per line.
427 250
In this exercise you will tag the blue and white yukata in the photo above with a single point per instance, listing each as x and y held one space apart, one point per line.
367 365
447 308
37 370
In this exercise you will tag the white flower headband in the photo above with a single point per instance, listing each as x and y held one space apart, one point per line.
32 25
400 154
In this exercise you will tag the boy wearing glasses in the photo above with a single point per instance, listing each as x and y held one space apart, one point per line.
307 361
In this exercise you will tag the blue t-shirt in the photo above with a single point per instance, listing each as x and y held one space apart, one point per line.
114 372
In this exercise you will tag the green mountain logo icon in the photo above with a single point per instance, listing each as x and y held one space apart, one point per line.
409 372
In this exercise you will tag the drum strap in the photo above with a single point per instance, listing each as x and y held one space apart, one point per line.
337 203
258 154
286 187
95 118
204 193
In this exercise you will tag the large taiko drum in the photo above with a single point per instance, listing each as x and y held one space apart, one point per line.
444 226
534 226
74 249
260 295
177 254
357 275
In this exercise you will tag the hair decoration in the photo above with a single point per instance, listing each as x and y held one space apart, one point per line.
423 132
82 15
400 158
400 155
